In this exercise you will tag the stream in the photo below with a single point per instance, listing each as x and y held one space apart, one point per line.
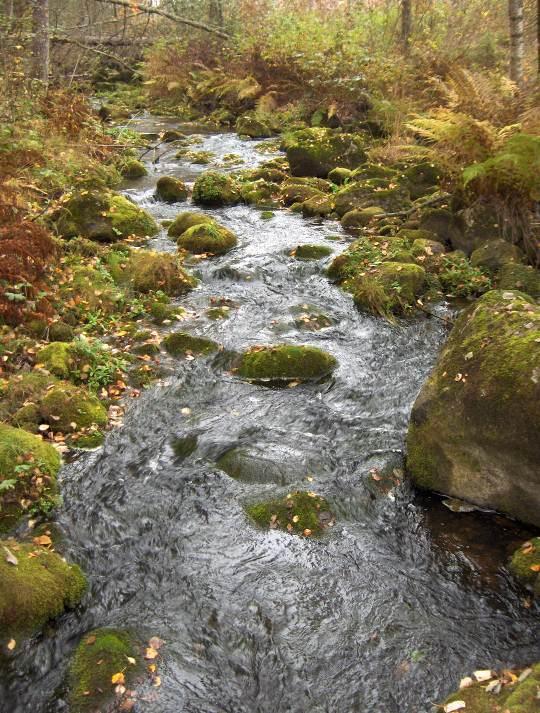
384 613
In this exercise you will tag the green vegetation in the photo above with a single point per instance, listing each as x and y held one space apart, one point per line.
187 220
285 363
215 189
207 238
171 189
517 695
300 513
525 564
311 252
184 344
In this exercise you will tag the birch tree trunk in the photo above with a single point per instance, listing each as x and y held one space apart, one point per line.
406 23
40 42
517 50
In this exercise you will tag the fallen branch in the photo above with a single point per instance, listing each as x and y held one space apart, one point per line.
169 16
113 42
65 40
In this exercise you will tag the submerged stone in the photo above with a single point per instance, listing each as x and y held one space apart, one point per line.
300 513
207 238
171 189
253 466
474 427
317 151
100 655
187 220
35 590
285 362
184 344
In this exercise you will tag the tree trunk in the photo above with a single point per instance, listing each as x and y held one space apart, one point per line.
517 50
40 43
215 13
406 23
538 33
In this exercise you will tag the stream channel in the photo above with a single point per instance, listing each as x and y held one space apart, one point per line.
382 614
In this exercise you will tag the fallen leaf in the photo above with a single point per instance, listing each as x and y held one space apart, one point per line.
42 540
11 644
156 643
131 660
150 653
118 678
120 690
157 681
483 675
535 567
10 557
454 706
466 682
307 532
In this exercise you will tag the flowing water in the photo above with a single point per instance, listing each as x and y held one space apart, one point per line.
383 614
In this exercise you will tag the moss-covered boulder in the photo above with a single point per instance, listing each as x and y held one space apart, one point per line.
260 193
374 170
474 427
479 223
171 189
427 252
104 217
207 238
340 175
89 290
68 408
318 207
285 362
356 219
517 694
355 196
249 125
35 590
181 344
300 513
171 135
187 220
100 655
146 271
216 189
447 227
269 174
317 151
496 253
28 469
297 193
57 358
132 168
390 288
311 252
514 276
422 179
525 564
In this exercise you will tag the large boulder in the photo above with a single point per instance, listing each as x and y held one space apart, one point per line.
36 585
253 127
474 427
171 189
317 151
366 194
285 362
104 217
209 238
187 220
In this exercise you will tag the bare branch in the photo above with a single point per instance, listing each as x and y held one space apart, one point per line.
65 40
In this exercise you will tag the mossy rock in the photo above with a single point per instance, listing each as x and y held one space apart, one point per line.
187 220
311 252
57 358
473 431
251 465
106 217
514 276
520 697
216 189
308 318
412 234
447 227
270 175
60 332
479 224
360 218
163 311
83 247
285 362
184 344
91 291
171 189
374 170
216 313
146 271
525 564
207 238
132 169
355 196
260 193
318 207
251 126
22 389
391 288
171 135
321 184
493 255
39 588
297 193
66 404
300 513
427 252
340 175
422 179
317 151
100 655
28 469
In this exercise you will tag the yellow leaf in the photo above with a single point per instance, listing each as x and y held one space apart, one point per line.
42 540
11 644
535 567
117 678
150 653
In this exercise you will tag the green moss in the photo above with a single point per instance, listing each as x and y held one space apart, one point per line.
171 189
183 344
161 311
65 404
215 189
131 169
355 219
374 170
300 513
253 127
422 179
216 313
285 362
21 389
311 252
311 321
390 288
317 151
267 214
260 193
57 358
187 220
128 219
297 193
147 271
100 655
447 227
317 206
339 175
38 589
355 196
513 276
525 562
270 175
172 135
28 469
60 332
90 290
458 278
496 253
207 238
410 235
472 432
90 440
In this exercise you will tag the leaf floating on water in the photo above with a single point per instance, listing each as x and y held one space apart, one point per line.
454 706
157 682
150 654
10 557
156 643
483 675
185 411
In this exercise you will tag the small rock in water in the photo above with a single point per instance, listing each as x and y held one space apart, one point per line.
456 505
